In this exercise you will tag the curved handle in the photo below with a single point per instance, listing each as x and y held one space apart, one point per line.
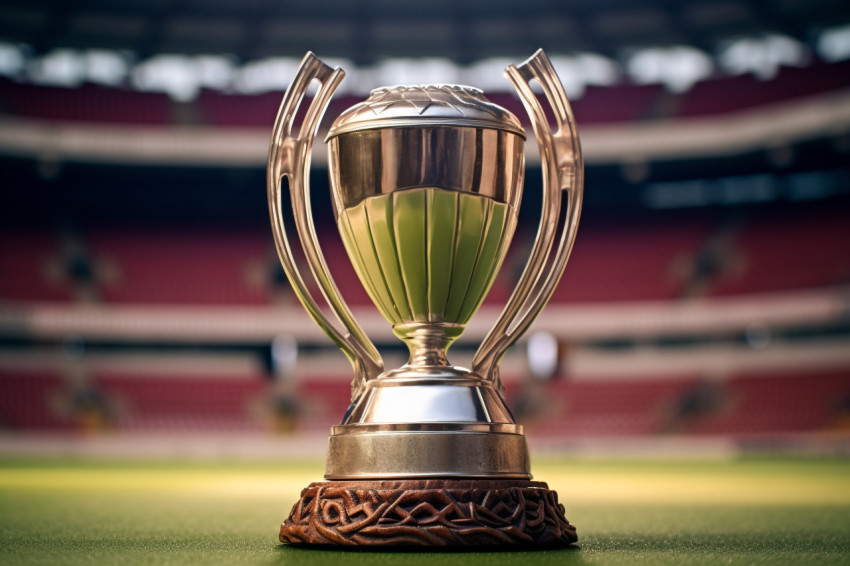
563 171
289 156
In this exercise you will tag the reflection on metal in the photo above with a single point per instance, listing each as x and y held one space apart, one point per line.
426 182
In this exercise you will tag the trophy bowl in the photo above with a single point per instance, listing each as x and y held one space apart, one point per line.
426 182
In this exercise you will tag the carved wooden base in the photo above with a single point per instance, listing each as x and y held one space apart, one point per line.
436 513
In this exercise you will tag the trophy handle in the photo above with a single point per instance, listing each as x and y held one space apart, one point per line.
563 170
289 156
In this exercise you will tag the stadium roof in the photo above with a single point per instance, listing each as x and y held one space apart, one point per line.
364 32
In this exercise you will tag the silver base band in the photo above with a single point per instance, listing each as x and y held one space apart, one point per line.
353 454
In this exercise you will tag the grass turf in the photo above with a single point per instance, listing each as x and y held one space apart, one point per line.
752 511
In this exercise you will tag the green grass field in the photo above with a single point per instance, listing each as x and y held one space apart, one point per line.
751 511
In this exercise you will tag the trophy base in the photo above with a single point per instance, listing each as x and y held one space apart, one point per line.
430 513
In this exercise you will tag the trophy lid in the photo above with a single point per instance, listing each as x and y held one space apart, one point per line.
425 106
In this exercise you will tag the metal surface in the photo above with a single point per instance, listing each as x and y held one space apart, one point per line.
289 158
563 175
446 424
445 397
450 453
422 106
373 162
426 183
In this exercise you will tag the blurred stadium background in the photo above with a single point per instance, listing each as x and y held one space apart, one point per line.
706 306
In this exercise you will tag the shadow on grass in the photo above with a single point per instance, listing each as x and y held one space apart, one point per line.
729 548
511 556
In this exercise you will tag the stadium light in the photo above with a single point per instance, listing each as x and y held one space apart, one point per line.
216 71
543 356
284 354
106 67
762 56
584 69
272 73
678 67
60 67
12 60
833 44
487 74
415 71
176 75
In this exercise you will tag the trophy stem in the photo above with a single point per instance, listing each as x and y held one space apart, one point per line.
428 342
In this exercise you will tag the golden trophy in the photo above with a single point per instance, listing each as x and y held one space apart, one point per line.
426 184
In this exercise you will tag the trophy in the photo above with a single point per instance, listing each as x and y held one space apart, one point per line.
426 184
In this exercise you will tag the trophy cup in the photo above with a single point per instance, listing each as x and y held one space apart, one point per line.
426 184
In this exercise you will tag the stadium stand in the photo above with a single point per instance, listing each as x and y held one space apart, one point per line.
181 402
624 103
631 261
620 103
748 402
325 398
221 109
606 407
770 404
25 401
187 268
88 103
789 250
732 94
32 268
616 262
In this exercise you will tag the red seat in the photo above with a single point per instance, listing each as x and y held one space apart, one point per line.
788 251
730 94
184 267
760 404
154 402
26 398
632 261
87 103
604 407
31 267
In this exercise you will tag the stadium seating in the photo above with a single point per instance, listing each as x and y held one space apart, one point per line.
625 103
184 267
26 398
599 105
769 404
636 260
731 94
751 403
605 407
259 111
614 261
784 251
630 261
220 109
179 402
324 399
31 264
87 103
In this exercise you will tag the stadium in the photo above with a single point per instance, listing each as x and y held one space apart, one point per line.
164 396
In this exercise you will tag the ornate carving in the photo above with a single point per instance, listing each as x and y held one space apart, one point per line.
428 513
